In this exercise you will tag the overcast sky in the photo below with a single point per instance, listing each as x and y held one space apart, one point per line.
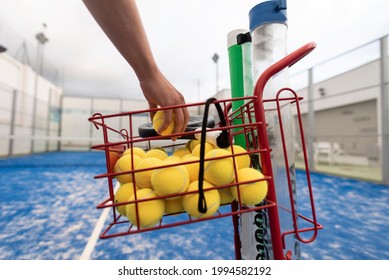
184 35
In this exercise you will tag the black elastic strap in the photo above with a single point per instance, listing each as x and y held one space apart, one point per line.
222 142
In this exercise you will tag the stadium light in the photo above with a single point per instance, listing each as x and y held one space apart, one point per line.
215 59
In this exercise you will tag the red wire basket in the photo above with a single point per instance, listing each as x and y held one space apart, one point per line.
120 133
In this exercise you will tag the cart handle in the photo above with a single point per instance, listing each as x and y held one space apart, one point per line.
287 61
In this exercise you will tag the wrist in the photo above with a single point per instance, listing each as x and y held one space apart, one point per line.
148 73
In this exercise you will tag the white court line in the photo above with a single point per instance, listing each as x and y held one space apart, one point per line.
90 246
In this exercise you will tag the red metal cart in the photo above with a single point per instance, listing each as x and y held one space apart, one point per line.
119 132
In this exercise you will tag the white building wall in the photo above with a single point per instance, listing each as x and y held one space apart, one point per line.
350 104
354 86
19 81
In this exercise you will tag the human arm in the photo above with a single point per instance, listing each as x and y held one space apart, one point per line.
121 22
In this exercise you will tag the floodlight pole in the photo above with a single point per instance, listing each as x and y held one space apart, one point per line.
198 96
215 59
42 39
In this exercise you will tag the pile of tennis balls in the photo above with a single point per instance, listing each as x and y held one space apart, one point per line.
164 184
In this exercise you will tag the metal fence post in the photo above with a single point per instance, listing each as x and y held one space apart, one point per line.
34 113
384 110
311 121
59 132
12 124
48 121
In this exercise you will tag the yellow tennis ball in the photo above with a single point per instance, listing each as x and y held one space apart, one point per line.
142 178
156 153
243 160
250 193
149 212
190 201
193 168
219 171
170 180
173 206
194 143
191 144
123 194
208 147
186 156
174 158
225 195
159 148
181 152
126 163
135 151
158 121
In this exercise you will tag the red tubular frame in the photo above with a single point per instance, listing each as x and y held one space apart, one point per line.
296 230
276 236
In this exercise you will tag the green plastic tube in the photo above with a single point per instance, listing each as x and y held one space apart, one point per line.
235 57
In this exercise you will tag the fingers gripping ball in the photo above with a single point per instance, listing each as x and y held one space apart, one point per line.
123 194
150 212
190 201
170 180
219 171
250 193
124 164
158 121
143 178
243 160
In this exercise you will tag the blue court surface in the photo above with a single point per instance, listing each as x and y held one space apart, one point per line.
48 211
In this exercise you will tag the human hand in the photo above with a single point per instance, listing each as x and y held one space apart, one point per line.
158 91
121 21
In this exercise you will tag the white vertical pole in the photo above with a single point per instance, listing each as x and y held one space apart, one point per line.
48 124
59 132
384 110
311 121
12 125
35 96
42 39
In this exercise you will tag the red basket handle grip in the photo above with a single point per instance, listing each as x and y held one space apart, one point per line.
287 61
